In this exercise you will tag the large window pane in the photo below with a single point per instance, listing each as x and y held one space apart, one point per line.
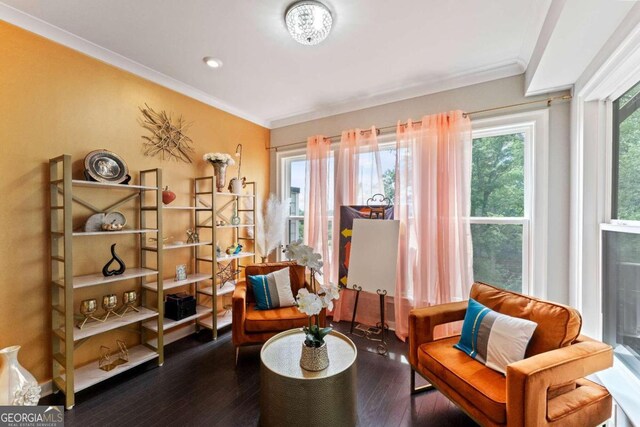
497 178
626 156
621 293
497 254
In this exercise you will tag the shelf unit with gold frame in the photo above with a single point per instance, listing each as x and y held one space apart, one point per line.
201 275
66 337
221 202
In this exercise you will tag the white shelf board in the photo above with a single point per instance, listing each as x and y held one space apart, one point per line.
201 310
88 375
82 183
171 283
92 328
233 194
227 288
98 279
187 208
236 226
104 233
229 257
224 319
185 245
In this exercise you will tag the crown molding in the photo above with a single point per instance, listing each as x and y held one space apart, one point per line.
470 77
65 38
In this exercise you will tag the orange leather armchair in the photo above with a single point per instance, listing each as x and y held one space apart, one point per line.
547 388
251 326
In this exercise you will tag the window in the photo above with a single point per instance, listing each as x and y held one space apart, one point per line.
502 197
295 168
625 194
499 223
620 239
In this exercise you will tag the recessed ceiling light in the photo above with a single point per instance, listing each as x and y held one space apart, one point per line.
212 62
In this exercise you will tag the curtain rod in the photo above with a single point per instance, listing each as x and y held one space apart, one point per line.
548 101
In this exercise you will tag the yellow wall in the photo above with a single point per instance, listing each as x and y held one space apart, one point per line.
54 101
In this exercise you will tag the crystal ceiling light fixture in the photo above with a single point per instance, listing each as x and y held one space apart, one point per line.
309 22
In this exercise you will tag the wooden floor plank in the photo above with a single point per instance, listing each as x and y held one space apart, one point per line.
199 385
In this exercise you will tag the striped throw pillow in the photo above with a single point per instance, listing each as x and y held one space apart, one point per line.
492 338
272 290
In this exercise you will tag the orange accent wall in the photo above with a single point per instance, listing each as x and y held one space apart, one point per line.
53 101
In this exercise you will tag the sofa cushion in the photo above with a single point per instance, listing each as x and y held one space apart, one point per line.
494 339
558 325
274 320
484 387
272 290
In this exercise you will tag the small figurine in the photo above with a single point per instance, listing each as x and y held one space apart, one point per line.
192 236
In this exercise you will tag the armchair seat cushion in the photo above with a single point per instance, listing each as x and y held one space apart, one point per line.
484 387
274 320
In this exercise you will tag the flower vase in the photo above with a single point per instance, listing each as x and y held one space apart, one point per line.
17 386
314 358
220 170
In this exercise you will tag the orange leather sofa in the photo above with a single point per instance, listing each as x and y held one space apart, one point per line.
547 388
251 326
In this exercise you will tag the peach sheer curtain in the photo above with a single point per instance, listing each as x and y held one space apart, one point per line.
316 214
432 202
357 148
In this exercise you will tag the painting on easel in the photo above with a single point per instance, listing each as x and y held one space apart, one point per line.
347 215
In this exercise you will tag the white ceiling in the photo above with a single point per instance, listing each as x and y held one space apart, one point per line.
379 50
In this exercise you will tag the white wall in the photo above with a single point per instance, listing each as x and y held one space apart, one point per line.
471 98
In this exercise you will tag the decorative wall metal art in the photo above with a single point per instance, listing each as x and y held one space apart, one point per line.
226 273
168 137
106 272
105 166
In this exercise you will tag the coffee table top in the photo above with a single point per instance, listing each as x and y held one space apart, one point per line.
281 354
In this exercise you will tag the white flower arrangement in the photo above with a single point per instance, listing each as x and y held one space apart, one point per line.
304 255
222 158
312 303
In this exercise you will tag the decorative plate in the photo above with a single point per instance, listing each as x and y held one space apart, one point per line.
115 218
94 223
105 166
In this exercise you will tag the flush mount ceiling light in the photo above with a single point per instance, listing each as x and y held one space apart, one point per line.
308 22
212 62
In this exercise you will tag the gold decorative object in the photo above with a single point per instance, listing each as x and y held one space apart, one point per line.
105 362
109 303
314 358
129 299
87 308
226 273
167 138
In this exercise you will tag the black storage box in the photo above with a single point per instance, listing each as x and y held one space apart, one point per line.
179 306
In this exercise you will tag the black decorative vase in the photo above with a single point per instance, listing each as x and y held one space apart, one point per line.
114 258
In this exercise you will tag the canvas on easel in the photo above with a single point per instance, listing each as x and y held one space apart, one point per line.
372 266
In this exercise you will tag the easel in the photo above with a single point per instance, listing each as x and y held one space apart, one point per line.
378 204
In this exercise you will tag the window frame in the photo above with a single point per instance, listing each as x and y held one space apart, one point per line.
525 221
536 166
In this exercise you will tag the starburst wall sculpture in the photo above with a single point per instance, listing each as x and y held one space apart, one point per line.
168 139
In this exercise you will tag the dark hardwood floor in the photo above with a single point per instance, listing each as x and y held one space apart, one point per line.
198 385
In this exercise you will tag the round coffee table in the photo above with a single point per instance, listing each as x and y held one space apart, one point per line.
291 396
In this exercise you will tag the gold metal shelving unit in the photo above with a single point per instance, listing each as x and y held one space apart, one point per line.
222 204
201 274
66 337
